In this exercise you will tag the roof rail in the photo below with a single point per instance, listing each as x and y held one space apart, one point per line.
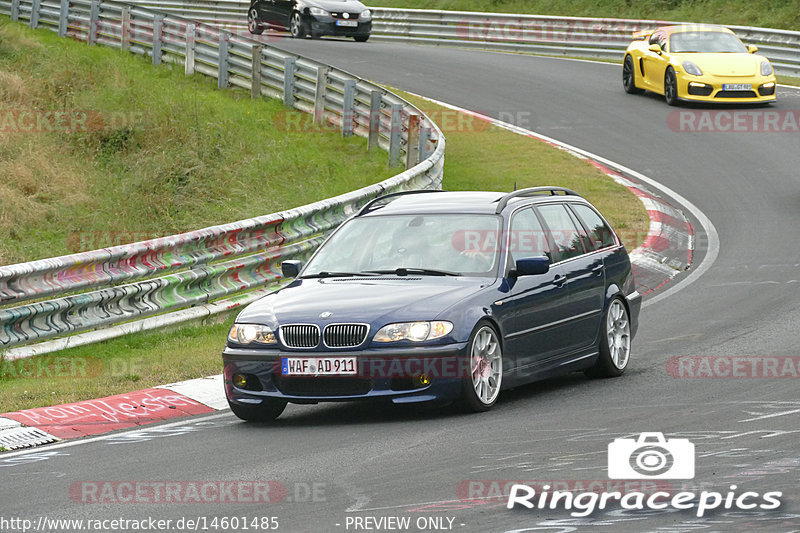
532 191
393 194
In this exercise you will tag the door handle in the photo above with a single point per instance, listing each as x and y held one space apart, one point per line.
559 280
597 270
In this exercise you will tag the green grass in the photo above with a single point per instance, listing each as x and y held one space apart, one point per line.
765 13
478 157
151 152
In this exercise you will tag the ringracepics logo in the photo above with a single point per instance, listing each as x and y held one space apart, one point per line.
650 456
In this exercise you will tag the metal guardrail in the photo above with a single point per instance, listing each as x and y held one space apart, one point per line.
601 38
115 285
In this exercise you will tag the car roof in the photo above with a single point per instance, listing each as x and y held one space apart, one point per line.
472 202
682 28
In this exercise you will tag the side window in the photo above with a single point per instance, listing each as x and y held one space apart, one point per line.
659 38
563 229
600 235
527 238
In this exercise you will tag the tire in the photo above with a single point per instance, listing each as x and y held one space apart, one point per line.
361 38
252 23
479 390
629 76
670 87
296 26
615 342
269 410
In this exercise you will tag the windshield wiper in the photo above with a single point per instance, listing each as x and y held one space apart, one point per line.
326 274
404 271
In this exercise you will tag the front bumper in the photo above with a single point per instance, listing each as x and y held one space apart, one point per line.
382 373
710 89
329 26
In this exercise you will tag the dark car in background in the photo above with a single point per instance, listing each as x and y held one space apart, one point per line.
346 18
431 296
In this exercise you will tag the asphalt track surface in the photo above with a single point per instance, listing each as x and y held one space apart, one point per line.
373 461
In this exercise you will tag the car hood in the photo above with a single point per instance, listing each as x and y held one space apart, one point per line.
727 64
351 6
361 300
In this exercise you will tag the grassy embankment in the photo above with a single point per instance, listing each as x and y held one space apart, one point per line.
193 157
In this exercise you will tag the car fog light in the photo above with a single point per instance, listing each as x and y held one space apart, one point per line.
422 380
240 380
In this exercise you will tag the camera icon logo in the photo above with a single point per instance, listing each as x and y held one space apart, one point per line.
651 456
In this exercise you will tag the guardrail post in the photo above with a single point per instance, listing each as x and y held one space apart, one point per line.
15 10
124 29
36 6
395 135
412 147
158 24
424 139
63 18
288 81
94 15
319 94
255 71
374 119
191 30
348 107
222 72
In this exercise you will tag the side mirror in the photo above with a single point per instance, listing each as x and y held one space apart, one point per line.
291 269
655 48
752 48
532 266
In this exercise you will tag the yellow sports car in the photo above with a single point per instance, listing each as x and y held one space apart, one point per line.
697 63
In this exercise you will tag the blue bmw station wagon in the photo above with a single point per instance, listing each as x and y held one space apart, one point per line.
428 296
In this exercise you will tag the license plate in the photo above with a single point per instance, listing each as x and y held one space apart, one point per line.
350 23
737 86
318 366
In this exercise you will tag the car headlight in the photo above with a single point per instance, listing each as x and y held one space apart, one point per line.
766 68
692 69
413 331
318 11
366 14
251 334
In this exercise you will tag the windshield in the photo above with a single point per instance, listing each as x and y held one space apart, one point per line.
706 41
436 244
